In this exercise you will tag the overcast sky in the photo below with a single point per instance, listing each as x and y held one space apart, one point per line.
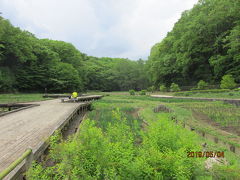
110 28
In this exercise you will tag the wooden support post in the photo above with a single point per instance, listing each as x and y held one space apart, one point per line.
29 160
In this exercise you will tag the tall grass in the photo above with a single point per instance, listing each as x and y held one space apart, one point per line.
224 114
16 98
114 144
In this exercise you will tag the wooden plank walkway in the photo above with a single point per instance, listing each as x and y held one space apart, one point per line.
27 128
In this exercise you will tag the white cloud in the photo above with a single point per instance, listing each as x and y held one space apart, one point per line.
126 28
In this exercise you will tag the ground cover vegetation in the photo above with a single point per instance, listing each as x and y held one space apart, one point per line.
225 115
212 93
17 98
122 138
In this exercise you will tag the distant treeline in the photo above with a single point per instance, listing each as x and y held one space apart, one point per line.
203 45
29 64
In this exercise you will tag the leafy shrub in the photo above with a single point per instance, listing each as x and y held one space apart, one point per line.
228 82
202 85
236 89
142 92
150 89
114 154
174 87
163 88
132 92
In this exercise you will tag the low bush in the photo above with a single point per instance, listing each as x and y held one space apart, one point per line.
150 89
142 92
132 92
163 88
202 85
174 87
228 82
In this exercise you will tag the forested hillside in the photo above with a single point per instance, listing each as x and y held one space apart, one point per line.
203 45
35 65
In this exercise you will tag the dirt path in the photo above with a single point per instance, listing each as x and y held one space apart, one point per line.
206 121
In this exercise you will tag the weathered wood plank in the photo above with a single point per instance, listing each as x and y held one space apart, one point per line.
29 127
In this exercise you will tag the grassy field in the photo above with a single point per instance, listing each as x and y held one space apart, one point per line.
222 95
122 138
16 98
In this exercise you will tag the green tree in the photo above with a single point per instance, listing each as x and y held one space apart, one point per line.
174 87
132 92
65 78
203 45
7 80
202 85
228 82
163 88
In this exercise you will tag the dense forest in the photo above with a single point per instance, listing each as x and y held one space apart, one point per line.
37 65
203 45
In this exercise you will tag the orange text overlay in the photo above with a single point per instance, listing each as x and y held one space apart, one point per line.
206 154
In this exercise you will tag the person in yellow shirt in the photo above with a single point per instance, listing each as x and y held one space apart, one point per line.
74 96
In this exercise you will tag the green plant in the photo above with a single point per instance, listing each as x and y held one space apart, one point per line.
132 92
228 82
202 85
174 87
163 88
142 92
150 89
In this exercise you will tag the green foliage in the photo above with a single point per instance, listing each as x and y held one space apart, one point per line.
150 89
142 92
174 87
132 92
202 85
226 115
114 146
228 82
203 45
16 98
35 64
212 93
65 78
7 80
204 91
163 88
226 172
111 74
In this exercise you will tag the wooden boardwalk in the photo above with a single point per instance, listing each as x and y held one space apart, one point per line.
30 127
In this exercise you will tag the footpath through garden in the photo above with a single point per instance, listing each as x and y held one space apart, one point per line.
28 128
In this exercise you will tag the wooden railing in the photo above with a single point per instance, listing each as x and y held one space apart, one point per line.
12 166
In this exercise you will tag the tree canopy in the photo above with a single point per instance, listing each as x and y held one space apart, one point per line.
35 65
203 45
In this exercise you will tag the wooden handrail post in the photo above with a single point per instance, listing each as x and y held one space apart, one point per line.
29 160
6 171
